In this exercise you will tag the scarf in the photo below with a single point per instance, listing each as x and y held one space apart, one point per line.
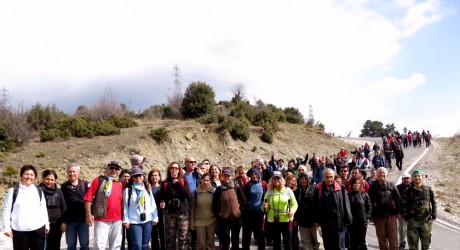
108 185
225 185
140 191
51 198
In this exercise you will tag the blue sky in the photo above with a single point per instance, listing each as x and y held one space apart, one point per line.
392 61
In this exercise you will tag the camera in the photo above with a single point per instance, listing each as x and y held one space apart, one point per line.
143 216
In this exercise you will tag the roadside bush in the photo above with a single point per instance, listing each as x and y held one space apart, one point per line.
267 136
10 170
49 135
209 119
160 135
238 128
122 122
106 128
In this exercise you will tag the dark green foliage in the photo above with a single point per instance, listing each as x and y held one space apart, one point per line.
278 112
105 128
243 109
293 115
198 100
10 170
167 112
267 136
375 129
238 128
267 120
209 119
122 122
40 117
254 149
49 135
160 135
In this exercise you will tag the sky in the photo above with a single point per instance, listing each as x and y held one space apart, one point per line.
390 61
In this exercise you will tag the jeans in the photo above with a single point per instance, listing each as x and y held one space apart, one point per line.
140 235
77 228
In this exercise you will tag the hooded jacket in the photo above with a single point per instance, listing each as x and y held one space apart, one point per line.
254 191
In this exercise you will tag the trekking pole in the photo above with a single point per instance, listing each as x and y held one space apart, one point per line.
265 217
289 210
163 228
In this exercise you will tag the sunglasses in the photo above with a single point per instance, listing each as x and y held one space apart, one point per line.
191 161
175 168
115 168
137 176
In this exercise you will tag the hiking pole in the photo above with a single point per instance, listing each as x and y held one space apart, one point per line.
163 227
289 210
265 217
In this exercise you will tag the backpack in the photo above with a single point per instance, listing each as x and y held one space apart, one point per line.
99 205
165 183
16 191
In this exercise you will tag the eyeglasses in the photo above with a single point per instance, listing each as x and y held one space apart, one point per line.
138 176
191 161
175 168
114 168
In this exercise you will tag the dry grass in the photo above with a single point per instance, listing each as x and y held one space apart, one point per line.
187 138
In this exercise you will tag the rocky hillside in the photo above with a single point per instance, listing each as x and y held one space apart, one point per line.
186 138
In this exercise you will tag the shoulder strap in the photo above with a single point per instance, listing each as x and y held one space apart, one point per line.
130 192
16 191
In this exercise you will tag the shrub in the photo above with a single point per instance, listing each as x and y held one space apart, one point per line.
10 170
198 100
106 128
40 117
254 149
49 135
122 122
40 155
238 128
267 136
209 119
160 135
293 115
266 120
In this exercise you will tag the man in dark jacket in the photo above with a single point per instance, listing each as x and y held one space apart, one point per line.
386 210
304 216
75 220
333 212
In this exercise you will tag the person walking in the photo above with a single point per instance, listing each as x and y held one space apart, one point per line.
399 155
361 208
281 205
55 204
174 195
332 211
253 217
139 210
106 206
74 190
228 202
310 234
202 217
386 210
419 209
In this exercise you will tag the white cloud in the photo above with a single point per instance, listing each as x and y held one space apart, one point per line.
421 15
391 86
293 53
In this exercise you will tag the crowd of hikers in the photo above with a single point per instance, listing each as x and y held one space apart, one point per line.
190 204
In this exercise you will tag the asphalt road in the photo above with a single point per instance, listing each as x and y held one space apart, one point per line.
445 236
